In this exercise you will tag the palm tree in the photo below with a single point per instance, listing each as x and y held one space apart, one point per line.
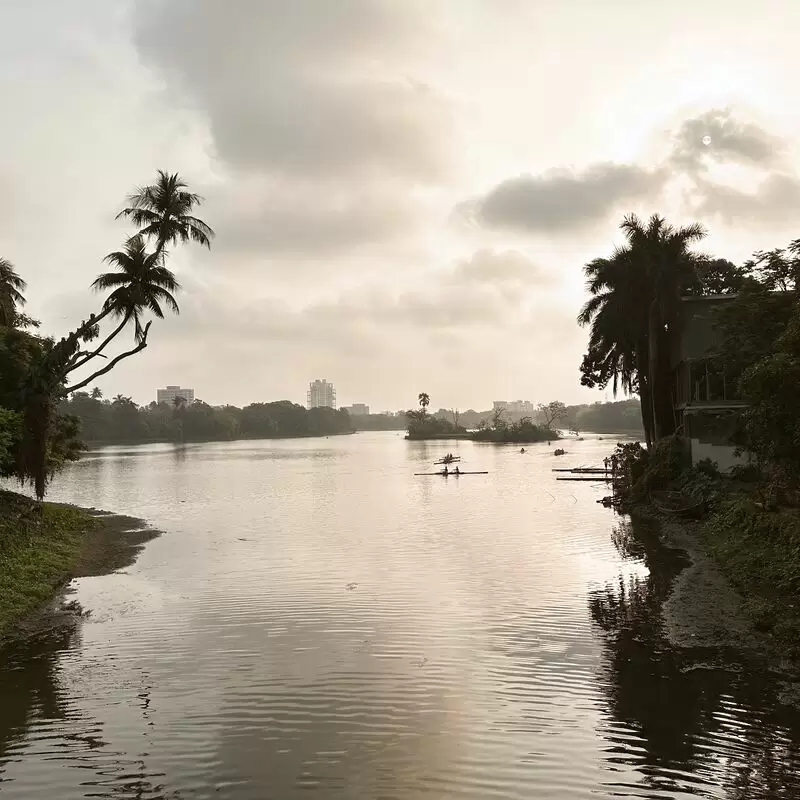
140 283
662 251
618 340
97 393
424 401
163 211
11 289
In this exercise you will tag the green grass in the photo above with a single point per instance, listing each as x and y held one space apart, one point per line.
39 548
759 551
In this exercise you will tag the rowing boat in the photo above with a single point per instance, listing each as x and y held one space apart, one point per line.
451 474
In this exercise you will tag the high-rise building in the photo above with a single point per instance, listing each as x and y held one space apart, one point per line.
321 394
169 394
357 409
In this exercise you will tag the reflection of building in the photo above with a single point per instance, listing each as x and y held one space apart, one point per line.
321 394
169 394
514 406
706 403
357 409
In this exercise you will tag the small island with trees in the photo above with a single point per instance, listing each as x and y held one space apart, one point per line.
423 426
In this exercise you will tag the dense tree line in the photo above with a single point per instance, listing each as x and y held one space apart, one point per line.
37 372
121 421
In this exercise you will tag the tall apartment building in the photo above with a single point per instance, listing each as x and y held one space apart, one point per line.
321 394
169 394
357 409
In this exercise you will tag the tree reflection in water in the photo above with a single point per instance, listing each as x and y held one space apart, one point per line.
31 695
696 721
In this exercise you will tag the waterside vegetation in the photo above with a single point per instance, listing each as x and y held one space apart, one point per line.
750 518
120 420
37 372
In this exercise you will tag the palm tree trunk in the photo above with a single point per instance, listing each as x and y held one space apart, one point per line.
89 356
659 374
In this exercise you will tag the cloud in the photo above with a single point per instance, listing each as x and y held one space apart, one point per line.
562 199
290 218
499 267
775 199
701 150
717 135
304 88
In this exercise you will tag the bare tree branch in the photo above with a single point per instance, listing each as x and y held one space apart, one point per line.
139 347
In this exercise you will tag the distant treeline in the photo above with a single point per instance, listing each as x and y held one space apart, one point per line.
121 421
623 416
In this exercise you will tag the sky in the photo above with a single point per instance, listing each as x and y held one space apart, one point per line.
403 193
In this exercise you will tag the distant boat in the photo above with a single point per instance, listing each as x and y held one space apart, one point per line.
452 474
448 459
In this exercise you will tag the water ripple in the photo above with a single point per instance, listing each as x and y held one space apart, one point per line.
316 619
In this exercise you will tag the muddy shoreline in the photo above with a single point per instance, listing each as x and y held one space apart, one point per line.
113 542
704 615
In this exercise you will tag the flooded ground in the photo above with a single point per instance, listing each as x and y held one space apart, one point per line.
317 621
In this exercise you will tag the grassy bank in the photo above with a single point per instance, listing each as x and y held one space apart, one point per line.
43 546
40 547
759 552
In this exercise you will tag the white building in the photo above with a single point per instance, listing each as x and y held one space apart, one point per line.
169 394
321 394
357 409
514 406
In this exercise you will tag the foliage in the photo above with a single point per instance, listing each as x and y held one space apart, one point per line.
422 425
10 435
553 414
760 553
11 297
751 324
37 372
39 545
121 420
523 431
634 314
638 471
761 343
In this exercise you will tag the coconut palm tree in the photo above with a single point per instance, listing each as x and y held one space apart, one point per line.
424 401
140 284
11 297
163 211
97 393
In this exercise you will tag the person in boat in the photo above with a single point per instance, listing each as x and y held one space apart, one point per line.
444 471
522 450
456 471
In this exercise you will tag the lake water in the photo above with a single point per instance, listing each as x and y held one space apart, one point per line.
316 621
